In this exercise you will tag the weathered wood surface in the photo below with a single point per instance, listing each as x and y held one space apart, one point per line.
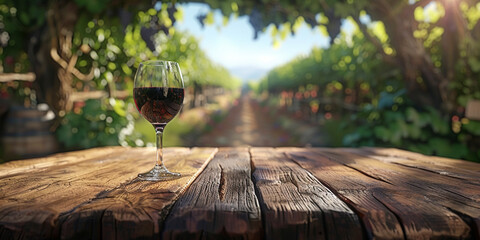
451 167
24 166
221 203
88 197
295 204
417 204
243 193
453 184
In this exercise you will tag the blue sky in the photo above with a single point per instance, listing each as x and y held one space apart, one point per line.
233 45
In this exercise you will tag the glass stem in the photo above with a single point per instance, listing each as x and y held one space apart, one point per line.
159 133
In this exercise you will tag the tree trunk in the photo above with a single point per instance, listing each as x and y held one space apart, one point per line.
46 82
50 51
426 84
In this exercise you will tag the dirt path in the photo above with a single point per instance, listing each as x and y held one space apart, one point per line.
247 124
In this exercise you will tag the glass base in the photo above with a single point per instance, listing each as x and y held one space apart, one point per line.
158 173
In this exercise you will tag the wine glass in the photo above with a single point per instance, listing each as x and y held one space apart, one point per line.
158 93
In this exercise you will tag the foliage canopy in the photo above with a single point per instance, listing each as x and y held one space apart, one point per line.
418 59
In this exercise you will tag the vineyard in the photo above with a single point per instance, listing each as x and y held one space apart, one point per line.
381 83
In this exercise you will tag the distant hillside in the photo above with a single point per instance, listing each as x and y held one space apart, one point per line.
248 73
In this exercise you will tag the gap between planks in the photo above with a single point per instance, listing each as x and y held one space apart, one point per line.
295 204
420 212
367 180
220 203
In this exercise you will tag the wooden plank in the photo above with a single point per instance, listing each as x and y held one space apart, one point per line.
354 188
456 189
221 203
295 205
421 217
61 186
38 164
424 163
30 202
417 216
135 209
457 185
434 160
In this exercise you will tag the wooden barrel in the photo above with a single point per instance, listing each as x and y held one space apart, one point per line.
26 132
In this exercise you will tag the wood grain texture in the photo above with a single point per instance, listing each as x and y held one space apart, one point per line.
295 205
31 202
261 193
406 194
455 188
454 168
136 209
221 203
38 164
458 164
354 188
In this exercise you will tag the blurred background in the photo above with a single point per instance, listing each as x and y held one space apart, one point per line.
335 73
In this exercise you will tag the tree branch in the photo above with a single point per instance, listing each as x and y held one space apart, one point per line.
8 77
70 65
73 70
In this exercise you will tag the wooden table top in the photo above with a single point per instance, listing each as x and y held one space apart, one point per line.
254 193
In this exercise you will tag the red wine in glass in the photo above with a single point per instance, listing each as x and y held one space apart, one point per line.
158 93
158 105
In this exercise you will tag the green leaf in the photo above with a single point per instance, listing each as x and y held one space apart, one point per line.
443 147
440 146
414 131
388 99
24 18
209 19
421 148
412 115
474 64
382 133
93 6
379 31
397 132
439 124
462 100
351 139
472 127
419 14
